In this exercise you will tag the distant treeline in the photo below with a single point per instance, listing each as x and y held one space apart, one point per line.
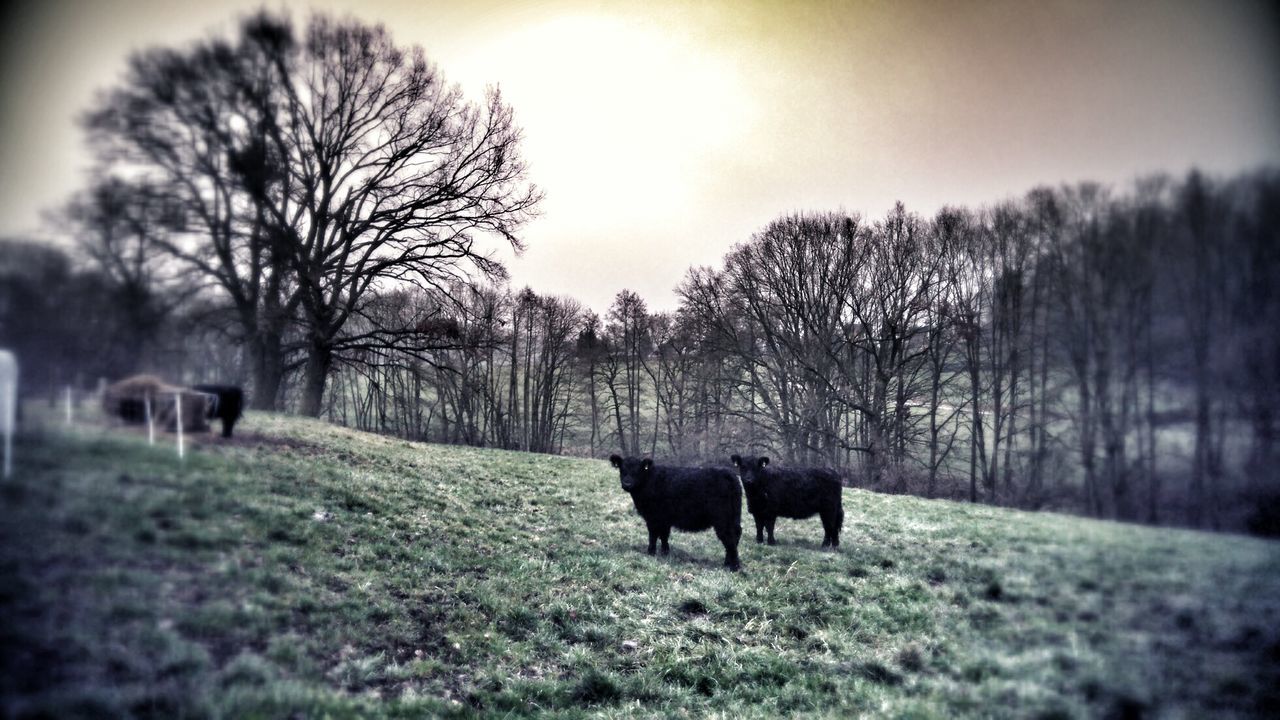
1113 353
304 210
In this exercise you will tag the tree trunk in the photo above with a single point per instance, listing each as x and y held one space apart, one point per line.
875 424
1011 431
1200 460
935 390
876 456
266 369
617 414
314 376
595 405
1153 476
977 434
1087 445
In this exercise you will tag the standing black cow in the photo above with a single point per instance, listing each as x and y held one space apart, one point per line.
791 493
228 405
692 499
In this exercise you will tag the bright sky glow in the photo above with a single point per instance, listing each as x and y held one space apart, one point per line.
664 132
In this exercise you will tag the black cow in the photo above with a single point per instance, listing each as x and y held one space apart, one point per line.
791 493
692 499
228 405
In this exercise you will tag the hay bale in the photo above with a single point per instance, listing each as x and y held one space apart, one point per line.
127 400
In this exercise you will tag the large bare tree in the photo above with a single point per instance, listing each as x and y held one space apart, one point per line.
191 123
393 175
318 163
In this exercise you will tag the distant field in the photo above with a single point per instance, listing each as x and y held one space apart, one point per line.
304 570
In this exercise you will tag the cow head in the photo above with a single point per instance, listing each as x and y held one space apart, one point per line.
750 468
634 472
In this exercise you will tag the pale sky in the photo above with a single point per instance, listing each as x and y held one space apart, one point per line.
665 132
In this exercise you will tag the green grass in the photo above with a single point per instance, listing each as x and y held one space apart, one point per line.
310 571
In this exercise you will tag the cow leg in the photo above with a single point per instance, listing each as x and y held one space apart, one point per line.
728 536
836 524
768 526
759 531
653 540
826 528
666 537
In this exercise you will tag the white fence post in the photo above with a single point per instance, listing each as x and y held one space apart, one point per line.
10 390
8 405
68 404
151 421
177 402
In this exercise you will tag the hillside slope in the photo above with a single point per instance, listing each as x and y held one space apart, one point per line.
306 570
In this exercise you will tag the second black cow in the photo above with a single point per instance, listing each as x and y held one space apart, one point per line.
228 404
791 493
691 499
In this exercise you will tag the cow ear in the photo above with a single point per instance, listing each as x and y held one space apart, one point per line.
764 461
616 461
646 465
736 460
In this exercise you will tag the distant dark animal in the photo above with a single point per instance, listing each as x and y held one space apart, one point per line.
228 405
692 499
791 493
132 410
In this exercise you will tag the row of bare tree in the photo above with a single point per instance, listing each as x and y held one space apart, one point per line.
1114 353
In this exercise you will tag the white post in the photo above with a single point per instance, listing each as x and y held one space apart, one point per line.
177 403
9 390
68 404
8 405
151 421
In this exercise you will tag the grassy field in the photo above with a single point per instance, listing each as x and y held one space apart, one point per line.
305 570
